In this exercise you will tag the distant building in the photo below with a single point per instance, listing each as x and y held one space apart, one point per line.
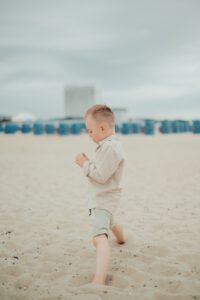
120 114
77 100
24 117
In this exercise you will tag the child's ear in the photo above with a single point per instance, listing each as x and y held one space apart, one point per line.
103 127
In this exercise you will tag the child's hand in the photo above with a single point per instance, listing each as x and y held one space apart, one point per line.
80 159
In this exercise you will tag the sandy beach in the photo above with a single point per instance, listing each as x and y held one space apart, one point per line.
45 233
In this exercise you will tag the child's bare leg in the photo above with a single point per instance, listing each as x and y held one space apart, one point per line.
102 258
118 232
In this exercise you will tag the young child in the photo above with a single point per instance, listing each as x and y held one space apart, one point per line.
104 172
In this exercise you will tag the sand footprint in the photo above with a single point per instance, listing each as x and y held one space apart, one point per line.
172 286
80 279
145 258
160 296
14 271
23 282
189 258
159 251
162 269
127 277
88 297
117 281
104 291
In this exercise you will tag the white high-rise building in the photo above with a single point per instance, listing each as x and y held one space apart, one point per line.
78 99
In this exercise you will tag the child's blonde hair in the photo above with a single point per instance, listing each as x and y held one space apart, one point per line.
101 113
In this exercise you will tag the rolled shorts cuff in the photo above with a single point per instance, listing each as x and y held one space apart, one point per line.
100 232
102 222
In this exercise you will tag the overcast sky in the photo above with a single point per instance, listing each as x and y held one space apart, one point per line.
143 55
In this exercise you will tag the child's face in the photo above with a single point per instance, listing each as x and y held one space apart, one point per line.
95 130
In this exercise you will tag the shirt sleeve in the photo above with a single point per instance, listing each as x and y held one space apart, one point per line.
104 166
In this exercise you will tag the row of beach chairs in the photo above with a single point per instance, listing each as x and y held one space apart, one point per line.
148 127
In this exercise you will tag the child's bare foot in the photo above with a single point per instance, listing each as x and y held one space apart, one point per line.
121 242
98 280
118 233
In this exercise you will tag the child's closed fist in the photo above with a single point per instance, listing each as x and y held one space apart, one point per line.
80 159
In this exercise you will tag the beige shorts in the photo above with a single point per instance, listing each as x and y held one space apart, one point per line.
102 221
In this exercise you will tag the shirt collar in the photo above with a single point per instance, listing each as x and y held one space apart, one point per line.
108 138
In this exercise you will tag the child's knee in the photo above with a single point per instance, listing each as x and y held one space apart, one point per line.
99 238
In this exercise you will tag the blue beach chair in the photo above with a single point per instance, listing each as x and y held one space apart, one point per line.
126 128
1 127
63 129
50 128
75 128
26 128
38 128
196 126
11 128
136 128
166 127
149 128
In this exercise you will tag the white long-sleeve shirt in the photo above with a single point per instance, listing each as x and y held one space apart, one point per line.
104 172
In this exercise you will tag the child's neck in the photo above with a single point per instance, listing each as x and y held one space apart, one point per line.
109 133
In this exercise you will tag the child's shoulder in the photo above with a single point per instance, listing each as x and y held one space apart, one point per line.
113 146
111 143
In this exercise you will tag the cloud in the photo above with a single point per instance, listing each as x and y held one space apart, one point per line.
139 51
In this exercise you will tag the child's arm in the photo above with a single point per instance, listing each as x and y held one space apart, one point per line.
81 159
104 166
